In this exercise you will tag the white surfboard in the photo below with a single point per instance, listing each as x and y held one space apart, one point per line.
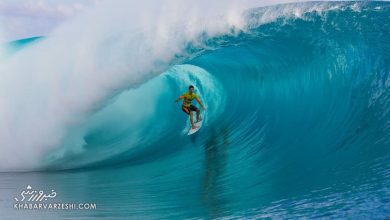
198 125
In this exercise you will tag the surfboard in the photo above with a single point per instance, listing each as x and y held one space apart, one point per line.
198 125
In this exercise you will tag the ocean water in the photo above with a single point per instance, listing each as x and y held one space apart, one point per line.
297 122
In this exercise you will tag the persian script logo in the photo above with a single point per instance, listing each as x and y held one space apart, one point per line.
39 200
31 195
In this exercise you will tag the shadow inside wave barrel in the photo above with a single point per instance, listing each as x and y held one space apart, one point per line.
212 193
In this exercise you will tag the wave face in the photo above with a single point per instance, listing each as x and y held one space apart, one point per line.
297 121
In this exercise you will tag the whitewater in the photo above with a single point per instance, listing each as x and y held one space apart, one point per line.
297 97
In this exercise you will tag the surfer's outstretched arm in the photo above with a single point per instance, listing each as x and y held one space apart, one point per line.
180 98
200 103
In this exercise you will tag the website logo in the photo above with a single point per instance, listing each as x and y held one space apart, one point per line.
35 199
31 195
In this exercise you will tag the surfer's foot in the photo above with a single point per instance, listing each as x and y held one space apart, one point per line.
194 127
198 120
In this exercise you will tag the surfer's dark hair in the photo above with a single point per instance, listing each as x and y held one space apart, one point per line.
191 86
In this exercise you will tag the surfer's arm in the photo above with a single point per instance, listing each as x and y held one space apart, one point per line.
180 98
200 103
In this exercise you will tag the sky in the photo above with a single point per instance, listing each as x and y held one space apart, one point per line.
28 18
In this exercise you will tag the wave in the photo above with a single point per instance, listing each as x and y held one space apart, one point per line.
56 83
301 89
69 75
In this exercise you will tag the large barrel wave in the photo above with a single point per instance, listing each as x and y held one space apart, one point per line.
297 120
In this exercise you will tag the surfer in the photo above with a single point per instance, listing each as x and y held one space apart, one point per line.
188 108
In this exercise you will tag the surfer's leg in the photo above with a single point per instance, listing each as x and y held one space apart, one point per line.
185 109
197 115
195 109
192 121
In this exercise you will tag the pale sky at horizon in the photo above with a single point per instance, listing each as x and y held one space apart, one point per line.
28 18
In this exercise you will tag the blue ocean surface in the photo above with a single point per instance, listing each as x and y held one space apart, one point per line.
297 126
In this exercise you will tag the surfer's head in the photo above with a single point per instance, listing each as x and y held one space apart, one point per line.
191 89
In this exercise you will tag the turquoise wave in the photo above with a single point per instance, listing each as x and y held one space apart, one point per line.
297 122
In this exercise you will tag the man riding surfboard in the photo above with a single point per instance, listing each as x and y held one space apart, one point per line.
188 108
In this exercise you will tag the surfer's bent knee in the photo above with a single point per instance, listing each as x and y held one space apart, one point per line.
185 110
